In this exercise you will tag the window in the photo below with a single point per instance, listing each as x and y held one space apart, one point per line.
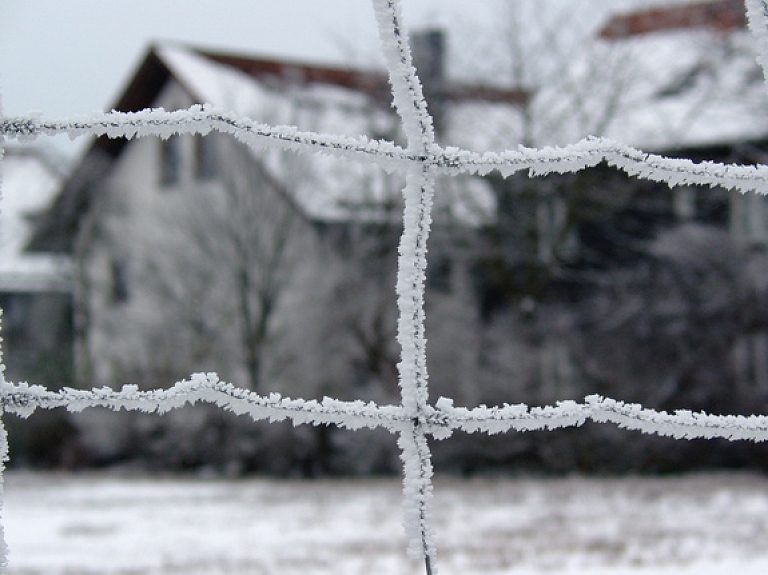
119 278
685 82
205 157
439 275
748 217
170 161
685 203
556 238
558 372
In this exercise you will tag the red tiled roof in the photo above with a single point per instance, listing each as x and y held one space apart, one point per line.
718 14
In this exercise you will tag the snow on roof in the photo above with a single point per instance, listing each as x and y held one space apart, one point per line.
274 100
334 189
33 273
665 90
29 184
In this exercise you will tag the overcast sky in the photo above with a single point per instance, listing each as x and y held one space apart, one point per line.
63 57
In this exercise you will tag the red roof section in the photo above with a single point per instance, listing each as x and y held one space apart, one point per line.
373 83
723 15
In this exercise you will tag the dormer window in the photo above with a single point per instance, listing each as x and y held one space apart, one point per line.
170 161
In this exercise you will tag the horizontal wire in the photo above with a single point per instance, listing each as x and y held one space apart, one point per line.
23 399
453 161
439 420
442 419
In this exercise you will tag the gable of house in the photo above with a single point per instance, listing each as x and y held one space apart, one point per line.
35 288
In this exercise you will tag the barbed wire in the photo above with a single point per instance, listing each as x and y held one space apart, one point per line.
421 161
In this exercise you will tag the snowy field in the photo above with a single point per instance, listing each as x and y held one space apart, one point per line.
89 524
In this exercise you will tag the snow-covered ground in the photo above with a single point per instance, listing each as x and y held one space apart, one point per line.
88 524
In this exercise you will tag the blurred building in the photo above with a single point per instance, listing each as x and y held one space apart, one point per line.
35 288
277 270
129 204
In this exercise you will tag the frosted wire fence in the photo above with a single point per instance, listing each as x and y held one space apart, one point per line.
421 161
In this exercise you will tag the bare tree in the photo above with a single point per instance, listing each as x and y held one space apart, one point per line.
546 47
229 250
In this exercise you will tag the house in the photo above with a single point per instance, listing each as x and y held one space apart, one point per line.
707 102
277 270
678 80
36 299
195 253
624 287
35 288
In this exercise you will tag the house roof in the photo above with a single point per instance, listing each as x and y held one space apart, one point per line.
316 98
346 102
209 74
722 15
681 77
30 182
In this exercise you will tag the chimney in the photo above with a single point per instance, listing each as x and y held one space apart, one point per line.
428 51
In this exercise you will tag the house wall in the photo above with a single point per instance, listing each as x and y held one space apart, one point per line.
126 226
154 313
155 310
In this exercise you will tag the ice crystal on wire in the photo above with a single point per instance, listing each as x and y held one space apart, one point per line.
422 160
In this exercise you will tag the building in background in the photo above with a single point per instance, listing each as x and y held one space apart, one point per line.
36 299
35 288
277 269
274 269
127 205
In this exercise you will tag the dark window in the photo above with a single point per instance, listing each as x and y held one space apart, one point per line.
119 273
439 275
205 157
170 161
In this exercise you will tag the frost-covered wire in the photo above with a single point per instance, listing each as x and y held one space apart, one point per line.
406 88
682 424
202 119
421 161
23 399
417 477
757 20
411 276
452 161
439 420
591 151
3 432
